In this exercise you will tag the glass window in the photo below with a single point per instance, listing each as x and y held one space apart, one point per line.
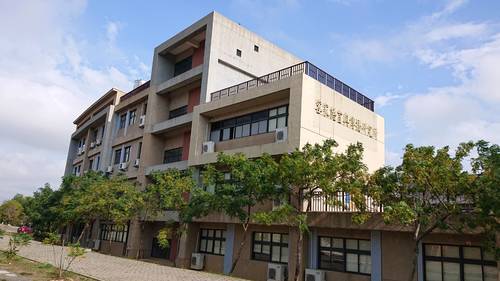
351 255
270 247
215 135
131 117
272 124
123 120
113 232
457 263
118 154
183 65
238 132
126 154
177 112
172 155
212 241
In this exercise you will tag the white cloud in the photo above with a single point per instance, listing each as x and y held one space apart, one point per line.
387 99
46 79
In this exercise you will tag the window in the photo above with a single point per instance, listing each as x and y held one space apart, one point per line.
102 131
123 120
113 232
144 109
177 112
91 164
118 154
462 263
95 133
76 170
212 241
183 65
126 154
131 117
349 255
271 247
172 155
251 124
238 52
256 48
97 162
139 150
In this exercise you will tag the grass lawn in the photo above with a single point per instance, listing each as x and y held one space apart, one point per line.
35 271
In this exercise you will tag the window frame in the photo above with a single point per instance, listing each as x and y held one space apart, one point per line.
271 244
344 251
113 232
132 117
126 153
177 112
213 239
183 65
173 150
228 129
461 260
122 121
117 156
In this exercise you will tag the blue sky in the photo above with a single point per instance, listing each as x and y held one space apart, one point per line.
432 67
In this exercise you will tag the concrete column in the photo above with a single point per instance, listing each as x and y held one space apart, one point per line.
127 119
228 254
376 255
107 140
420 263
313 249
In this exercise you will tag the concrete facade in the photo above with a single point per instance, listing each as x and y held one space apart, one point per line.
213 71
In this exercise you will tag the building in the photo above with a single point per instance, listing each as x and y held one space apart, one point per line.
216 86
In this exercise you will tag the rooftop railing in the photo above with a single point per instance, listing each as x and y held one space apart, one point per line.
341 202
303 67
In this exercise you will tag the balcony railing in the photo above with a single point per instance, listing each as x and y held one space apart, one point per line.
303 67
339 203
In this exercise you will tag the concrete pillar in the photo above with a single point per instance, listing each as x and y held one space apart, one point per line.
313 249
228 254
376 255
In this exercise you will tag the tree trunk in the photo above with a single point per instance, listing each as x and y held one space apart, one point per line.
240 248
83 231
141 240
298 257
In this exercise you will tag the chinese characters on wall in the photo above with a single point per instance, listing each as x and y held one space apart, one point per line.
345 119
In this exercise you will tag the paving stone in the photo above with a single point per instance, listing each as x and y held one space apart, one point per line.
110 268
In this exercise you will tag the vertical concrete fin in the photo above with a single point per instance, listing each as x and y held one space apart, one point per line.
313 249
376 255
420 264
228 252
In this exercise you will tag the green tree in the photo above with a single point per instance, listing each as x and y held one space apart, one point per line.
169 190
234 186
12 212
429 190
316 169
62 261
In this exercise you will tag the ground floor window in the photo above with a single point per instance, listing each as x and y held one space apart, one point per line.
346 255
458 263
113 232
271 247
212 241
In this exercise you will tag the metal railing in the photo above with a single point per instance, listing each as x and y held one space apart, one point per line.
303 67
339 203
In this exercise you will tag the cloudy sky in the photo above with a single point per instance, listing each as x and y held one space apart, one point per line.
433 67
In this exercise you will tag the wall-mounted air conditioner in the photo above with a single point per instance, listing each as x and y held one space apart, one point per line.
142 120
281 135
98 142
136 162
123 166
276 272
315 275
197 261
208 147
109 169
92 144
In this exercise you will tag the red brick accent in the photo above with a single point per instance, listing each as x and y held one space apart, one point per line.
198 55
194 98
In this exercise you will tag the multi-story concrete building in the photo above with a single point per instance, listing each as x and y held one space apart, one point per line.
217 87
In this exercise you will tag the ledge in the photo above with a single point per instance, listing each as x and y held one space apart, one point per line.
171 124
181 165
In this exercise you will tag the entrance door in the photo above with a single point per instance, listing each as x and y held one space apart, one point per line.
158 252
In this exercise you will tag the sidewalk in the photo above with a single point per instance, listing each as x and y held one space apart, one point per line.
110 268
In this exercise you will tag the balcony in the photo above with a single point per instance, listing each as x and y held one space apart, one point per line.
339 203
301 68
170 124
179 165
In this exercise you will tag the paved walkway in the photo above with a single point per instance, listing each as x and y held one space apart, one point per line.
110 268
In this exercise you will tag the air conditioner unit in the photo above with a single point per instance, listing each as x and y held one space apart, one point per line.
98 142
281 134
97 244
197 261
79 151
92 144
276 272
315 275
136 162
208 147
142 120
109 169
123 166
